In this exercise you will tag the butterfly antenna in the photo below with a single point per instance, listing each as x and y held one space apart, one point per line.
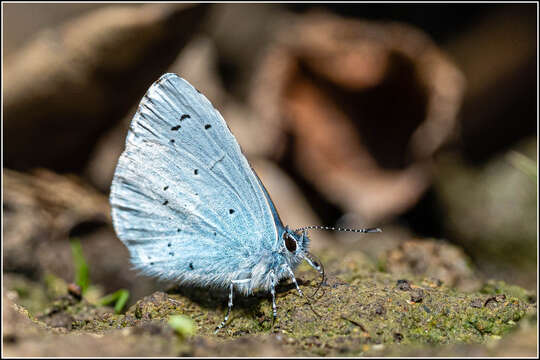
331 228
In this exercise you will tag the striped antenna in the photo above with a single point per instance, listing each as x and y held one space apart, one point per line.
331 228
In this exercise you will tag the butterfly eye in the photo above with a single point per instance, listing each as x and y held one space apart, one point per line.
290 243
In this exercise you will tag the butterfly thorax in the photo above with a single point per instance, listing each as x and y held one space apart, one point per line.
278 262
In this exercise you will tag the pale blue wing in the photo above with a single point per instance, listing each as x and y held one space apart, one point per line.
185 200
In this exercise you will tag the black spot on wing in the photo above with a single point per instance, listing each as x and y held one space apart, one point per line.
191 266
196 171
172 141
185 116
231 211
165 202
169 244
175 128
207 126
165 188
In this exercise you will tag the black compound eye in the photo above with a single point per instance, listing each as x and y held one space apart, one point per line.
290 243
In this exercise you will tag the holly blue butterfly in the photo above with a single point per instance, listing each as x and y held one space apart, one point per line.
189 207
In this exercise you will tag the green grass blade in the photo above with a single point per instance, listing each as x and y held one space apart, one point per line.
82 273
120 298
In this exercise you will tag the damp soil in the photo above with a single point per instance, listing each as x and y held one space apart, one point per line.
358 310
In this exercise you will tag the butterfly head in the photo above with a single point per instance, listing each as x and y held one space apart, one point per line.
294 245
295 248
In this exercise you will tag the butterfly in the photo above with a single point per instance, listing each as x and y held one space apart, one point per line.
189 207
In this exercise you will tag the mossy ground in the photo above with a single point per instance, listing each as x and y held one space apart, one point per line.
358 311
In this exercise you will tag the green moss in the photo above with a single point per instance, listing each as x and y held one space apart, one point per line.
360 308
32 295
500 287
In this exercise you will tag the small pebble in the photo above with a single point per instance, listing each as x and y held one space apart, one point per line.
496 299
75 290
403 285
417 295
476 303
379 310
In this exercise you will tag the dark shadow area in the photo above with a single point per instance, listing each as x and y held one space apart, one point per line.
426 217
440 21
501 116
386 115
217 298
326 211
87 227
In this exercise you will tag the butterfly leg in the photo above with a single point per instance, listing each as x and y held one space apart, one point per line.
289 270
230 304
273 292
228 310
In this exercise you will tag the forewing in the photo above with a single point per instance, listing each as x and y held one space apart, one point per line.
185 201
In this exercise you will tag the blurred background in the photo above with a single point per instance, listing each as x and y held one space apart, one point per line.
420 119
